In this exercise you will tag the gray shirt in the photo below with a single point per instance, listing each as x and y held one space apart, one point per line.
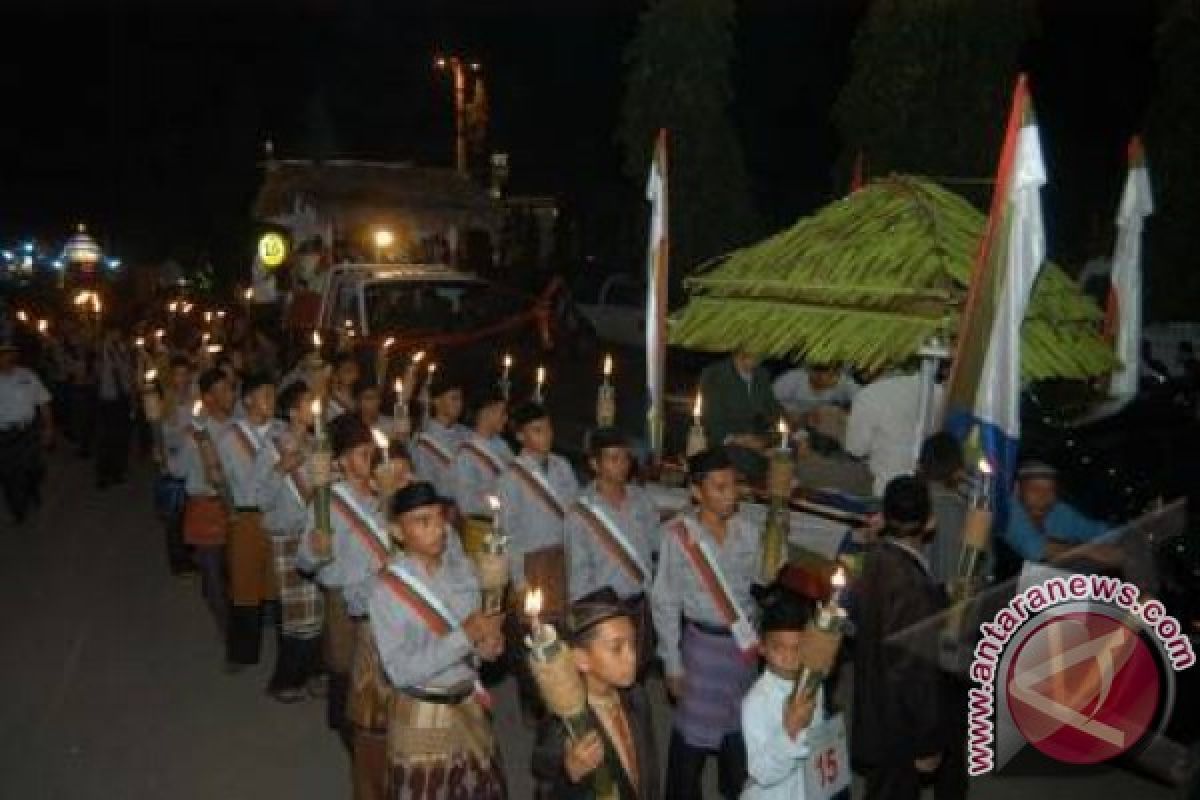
530 523
280 497
238 447
433 454
477 467
590 564
196 478
797 395
413 654
678 592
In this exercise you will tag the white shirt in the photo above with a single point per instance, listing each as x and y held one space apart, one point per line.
21 392
775 761
883 424
797 395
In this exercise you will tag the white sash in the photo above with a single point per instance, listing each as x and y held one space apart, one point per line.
427 594
287 477
535 475
347 495
742 628
248 432
617 534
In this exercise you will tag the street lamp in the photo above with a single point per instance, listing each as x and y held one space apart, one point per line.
458 69
383 240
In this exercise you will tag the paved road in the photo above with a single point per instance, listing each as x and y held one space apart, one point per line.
113 687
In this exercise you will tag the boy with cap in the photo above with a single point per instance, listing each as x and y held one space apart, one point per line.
709 559
206 511
430 633
603 640
284 492
775 718
906 719
441 435
610 536
535 491
360 548
483 456
251 576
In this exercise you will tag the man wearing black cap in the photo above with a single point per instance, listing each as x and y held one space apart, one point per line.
709 559
1041 526
603 640
23 400
904 730
251 578
441 435
429 630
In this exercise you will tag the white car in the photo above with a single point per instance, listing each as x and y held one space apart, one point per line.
617 314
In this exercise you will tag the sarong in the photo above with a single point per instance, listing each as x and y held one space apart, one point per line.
205 522
369 764
340 633
716 679
251 577
370 702
300 602
442 752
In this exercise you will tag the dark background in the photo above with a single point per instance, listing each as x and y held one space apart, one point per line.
146 119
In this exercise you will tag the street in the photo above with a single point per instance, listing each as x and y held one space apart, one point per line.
115 688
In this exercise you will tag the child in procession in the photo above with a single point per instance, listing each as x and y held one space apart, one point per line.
441 434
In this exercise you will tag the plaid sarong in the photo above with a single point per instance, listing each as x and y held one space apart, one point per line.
717 679
442 752
303 608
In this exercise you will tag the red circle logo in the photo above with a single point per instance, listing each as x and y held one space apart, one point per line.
1083 688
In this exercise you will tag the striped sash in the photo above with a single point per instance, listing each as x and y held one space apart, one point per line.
539 487
361 523
708 571
484 456
435 449
420 599
612 539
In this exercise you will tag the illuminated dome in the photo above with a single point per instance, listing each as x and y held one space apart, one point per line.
81 249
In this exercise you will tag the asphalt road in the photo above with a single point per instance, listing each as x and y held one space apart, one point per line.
113 684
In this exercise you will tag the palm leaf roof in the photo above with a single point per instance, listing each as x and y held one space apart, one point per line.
869 279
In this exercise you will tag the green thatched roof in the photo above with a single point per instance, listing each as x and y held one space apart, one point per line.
869 279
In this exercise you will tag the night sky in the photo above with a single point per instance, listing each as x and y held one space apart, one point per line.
146 119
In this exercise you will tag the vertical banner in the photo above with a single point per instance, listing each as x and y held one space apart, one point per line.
1123 320
656 298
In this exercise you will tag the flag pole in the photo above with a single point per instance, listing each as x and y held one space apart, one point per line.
657 265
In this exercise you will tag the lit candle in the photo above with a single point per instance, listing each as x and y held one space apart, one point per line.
608 366
381 441
316 342
533 610
21 315
172 307
697 442
783 434
187 308
139 343
697 408
220 315
838 585
159 334
541 382
606 402
508 362
316 412
494 504
208 316
418 357
826 635
197 411
401 406
213 349
249 294
43 326
204 338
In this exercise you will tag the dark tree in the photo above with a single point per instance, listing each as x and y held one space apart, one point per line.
678 78
930 85
1173 154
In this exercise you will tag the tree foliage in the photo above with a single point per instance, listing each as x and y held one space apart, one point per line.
930 84
1173 154
678 78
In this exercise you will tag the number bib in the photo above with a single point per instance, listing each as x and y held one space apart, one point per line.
827 768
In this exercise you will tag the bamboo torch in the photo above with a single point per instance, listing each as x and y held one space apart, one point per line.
321 468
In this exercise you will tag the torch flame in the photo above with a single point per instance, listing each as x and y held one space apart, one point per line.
197 408
43 326
158 334
508 361
493 502
698 406
205 337
782 427
541 374
418 356
208 316
316 407
215 348
533 602
316 339
399 387
21 315
607 366
139 343
838 580
432 369
381 440
388 342
151 374
249 293
985 467
172 307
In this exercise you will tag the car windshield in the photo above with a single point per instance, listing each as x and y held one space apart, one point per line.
436 306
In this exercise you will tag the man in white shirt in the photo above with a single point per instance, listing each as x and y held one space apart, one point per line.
804 390
882 427
22 398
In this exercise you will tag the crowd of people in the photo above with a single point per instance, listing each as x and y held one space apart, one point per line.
380 612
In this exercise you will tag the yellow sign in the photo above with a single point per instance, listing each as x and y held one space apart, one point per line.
272 250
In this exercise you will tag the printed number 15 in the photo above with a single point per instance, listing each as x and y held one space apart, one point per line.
827 766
